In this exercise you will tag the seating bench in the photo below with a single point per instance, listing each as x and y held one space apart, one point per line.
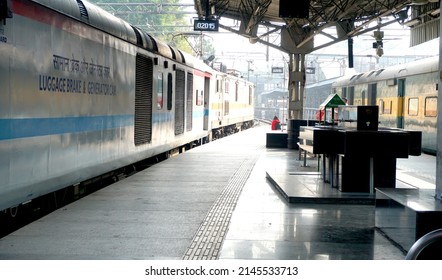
276 139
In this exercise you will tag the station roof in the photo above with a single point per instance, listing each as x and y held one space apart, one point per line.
350 18
275 93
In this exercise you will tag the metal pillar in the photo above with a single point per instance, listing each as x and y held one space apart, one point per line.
438 194
296 86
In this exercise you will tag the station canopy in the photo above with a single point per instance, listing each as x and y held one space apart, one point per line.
298 22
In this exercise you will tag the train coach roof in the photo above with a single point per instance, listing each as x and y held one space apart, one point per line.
196 63
103 20
321 83
94 16
420 66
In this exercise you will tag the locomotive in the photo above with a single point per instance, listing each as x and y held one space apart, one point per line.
84 93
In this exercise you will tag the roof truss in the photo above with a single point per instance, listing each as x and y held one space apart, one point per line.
337 20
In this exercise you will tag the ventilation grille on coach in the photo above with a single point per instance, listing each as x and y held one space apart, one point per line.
143 100
83 11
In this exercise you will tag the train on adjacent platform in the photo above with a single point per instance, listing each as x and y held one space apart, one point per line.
84 93
407 96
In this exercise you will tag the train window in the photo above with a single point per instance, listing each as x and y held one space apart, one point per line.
384 107
387 107
169 91
199 97
381 106
160 91
236 90
250 95
226 107
431 106
218 86
227 86
413 106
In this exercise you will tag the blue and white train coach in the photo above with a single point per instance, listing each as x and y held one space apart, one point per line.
84 92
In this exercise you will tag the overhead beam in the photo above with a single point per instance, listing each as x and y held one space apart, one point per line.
258 39
252 12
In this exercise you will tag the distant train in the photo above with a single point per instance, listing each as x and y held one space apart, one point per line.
84 93
407 96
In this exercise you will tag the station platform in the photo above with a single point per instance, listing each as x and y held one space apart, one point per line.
222 200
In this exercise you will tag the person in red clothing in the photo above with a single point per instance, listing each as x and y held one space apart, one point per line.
320 115
276 124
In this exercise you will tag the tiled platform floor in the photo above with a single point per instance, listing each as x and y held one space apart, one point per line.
159 213
265 225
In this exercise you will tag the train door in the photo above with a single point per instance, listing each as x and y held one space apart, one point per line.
372 94
169 91
189 102
344 93
226 103
400 105
206 103
220 102
363 98
179 101
351 95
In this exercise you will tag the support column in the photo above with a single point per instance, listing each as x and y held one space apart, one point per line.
438 194
296 86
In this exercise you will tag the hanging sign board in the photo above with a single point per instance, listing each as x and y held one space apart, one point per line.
205 25
277 70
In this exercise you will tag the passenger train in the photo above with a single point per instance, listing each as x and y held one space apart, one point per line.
84 93
407 96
